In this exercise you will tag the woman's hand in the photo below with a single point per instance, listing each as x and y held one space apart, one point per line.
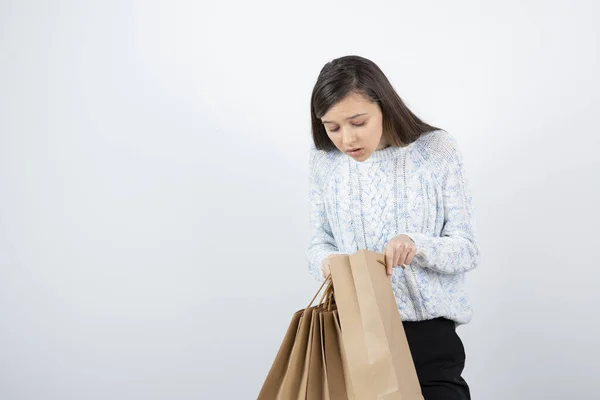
400 250
325 265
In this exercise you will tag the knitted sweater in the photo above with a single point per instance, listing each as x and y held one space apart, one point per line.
420 190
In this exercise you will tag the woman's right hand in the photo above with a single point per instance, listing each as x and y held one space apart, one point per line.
325 265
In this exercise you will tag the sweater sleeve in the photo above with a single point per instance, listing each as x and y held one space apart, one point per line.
321 242
456 250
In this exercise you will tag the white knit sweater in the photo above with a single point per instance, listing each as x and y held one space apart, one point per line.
420 190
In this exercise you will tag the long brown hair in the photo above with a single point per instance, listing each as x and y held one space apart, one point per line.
349 74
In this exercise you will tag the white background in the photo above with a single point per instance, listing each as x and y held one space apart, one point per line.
153 185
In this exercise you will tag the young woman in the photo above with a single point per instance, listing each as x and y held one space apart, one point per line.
384 180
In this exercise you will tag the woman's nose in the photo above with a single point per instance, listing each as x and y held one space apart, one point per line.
348 137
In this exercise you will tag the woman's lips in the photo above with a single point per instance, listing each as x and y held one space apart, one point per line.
356 152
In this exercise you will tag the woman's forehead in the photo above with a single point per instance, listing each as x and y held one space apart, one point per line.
349 107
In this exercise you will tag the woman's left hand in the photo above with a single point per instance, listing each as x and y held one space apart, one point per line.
400 250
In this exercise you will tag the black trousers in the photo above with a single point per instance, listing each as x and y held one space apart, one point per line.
439 357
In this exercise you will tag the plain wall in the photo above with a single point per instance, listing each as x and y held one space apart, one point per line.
153 185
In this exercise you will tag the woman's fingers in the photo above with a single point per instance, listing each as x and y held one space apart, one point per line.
403 254
407 253
398 254
389 260
400 250
411 254
400 258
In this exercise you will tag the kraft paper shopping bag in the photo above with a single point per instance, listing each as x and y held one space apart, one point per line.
299 369
379 362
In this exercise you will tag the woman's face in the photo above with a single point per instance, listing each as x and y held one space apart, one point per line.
355 123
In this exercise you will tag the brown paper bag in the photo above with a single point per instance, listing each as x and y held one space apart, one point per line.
314 384
324 369
334 362
345 368
379 362
328 367
279 368
298 371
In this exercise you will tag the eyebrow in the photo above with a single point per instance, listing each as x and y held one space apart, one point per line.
354 116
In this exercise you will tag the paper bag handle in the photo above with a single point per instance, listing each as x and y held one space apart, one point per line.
326 281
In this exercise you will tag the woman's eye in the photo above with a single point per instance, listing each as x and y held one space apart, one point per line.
355 125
